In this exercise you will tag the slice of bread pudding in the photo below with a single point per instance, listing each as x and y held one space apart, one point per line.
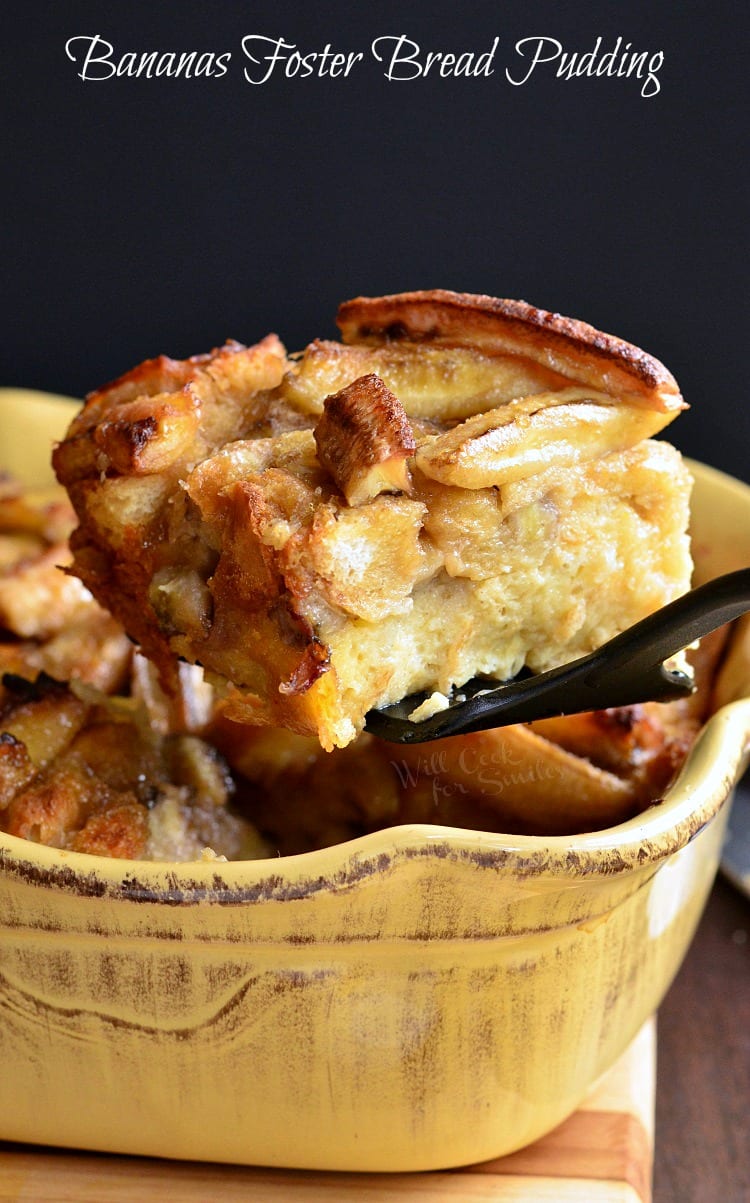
461 486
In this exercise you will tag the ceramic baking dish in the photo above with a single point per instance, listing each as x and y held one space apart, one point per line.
419 998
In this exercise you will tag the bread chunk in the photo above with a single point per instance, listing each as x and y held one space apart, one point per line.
462 486
364 440
88 775
93 756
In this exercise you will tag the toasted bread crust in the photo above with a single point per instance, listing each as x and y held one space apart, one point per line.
506 326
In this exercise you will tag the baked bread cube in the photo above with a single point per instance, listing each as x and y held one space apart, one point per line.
48 621
93 756
462 486
88 774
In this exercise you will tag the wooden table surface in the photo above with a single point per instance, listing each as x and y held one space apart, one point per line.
703 1063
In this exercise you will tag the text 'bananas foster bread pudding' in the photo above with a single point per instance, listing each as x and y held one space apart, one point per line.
462 486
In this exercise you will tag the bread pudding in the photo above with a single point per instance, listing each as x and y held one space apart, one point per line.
462 486
101 761
93 757
553 777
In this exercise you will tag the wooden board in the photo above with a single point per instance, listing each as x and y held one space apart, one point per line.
601 1154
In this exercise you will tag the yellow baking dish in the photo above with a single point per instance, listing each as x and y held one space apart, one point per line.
419 998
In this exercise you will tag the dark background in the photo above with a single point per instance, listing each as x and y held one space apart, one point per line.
144 216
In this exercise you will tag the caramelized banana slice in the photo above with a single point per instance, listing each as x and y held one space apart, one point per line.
531 434
364 440
433 382
559 344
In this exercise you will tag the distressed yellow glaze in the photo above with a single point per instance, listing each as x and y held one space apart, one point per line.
419 998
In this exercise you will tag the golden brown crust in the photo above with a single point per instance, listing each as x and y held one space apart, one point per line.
506 326
162 374
147 420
